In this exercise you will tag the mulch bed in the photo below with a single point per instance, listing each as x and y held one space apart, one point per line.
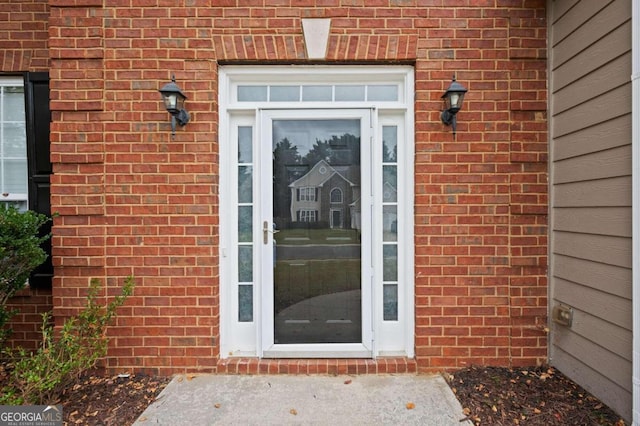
97 401
527 396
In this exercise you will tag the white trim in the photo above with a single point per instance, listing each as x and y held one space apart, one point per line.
635 161
401 112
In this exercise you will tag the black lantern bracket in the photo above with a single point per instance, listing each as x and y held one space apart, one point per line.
174 103
453 98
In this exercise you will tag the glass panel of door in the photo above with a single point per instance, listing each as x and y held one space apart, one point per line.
316 228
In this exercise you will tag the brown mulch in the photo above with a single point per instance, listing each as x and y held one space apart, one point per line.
97 401
527 396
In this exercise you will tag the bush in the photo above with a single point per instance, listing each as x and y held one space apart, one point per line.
39 378
20 254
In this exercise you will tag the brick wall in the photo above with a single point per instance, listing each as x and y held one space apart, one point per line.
23 47
133 201
23 35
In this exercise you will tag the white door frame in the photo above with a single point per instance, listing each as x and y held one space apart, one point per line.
267 346
241 334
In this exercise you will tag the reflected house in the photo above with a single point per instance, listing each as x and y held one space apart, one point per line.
328 195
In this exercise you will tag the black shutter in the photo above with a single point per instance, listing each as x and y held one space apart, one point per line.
38 117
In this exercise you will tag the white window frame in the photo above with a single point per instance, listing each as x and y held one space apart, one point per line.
307 193
19 198
392 338
337 191
308 215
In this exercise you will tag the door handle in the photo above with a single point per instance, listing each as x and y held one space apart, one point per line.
266 231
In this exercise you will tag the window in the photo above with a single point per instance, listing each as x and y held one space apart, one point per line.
25 166
336 195
307 215
13 143
306 194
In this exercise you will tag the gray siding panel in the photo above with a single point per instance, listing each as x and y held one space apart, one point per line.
596 165
605 107
596 193
590 195
607 135
610 308
601 80
568 18
610 279
598 248
617 369
615 221
615 44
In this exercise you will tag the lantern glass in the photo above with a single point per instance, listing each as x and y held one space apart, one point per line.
455 100
171 102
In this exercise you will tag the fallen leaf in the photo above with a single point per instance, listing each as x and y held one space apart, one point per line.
466 411
293 411
494 408
347 382
191 377
142 419
410 405
218 405
537 411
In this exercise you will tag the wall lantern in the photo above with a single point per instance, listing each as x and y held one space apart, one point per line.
174 103
453 98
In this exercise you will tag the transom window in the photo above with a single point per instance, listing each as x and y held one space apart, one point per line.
318 93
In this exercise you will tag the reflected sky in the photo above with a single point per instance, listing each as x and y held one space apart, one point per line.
305 133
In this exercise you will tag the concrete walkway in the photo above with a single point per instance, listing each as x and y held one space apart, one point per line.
305 400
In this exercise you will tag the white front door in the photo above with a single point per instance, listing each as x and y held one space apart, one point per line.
316 211
315 274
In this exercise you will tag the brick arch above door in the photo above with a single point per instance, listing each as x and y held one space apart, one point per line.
290 47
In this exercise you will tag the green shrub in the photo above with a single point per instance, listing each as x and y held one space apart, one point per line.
20 254
39 378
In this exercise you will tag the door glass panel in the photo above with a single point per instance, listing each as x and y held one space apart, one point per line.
245 303
390 300
245 144
245 223
390 223
317 260
245 219
245 184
